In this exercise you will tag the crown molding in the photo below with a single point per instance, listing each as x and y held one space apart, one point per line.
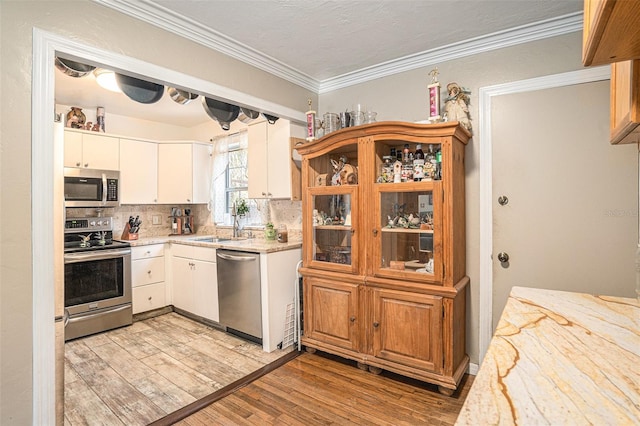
154 14
161 17
523 34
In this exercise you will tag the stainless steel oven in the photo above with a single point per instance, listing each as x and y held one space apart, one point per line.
97 278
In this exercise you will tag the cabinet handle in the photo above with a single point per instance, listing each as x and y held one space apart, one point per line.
353 231
375 232
188 200
86 164
149 298
264 194
376 324
149 272
155 200
78 164
352 319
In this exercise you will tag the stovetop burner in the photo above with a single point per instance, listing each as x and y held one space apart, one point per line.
90 233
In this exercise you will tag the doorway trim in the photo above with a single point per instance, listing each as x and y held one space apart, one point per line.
486 95
45 170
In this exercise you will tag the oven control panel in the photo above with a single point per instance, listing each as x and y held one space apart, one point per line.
91 224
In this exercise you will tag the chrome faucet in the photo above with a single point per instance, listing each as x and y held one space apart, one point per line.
236 224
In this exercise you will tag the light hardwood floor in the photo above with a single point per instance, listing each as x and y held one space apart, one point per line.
138 374
316 389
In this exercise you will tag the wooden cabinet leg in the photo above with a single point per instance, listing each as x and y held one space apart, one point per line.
375 370
446 391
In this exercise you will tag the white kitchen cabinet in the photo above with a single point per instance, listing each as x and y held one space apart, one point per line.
91 150
148 277
138 172
269 163
183 173
195 280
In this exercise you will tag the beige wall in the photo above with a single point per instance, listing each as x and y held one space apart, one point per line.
94 25
403 97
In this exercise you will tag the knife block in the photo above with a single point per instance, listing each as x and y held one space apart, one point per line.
126 235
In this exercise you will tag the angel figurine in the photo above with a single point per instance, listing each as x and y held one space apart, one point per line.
456 106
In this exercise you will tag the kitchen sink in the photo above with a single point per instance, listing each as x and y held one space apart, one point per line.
216 239
209 239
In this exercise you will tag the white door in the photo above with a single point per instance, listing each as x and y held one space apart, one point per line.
570 222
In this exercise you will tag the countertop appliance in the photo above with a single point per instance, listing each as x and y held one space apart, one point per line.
91 188
239 293
97 277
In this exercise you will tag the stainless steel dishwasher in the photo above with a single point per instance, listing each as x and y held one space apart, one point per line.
239 293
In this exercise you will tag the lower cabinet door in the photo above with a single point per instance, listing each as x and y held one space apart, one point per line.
148 297
407 328
331 312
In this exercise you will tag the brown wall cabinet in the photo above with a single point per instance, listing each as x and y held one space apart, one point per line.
384 280
611 35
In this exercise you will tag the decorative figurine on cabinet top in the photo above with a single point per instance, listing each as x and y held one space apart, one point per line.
456 106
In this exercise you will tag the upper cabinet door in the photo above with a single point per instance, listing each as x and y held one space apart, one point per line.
175 173
257 162
611 31
138 172
72 149
270 164
100 152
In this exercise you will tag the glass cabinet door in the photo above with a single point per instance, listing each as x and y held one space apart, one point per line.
409 238
333 245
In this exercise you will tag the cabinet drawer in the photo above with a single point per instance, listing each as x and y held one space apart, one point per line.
205 254
143 252
149 297
147 271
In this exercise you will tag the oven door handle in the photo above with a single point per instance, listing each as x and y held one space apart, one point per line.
98 255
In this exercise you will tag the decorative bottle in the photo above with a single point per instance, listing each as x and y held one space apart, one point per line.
418 164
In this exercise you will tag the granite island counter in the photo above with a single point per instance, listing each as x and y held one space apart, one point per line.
560 358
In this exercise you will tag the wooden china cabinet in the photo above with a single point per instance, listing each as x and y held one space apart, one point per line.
384 279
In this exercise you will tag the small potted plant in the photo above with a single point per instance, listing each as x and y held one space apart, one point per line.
242 208
269 232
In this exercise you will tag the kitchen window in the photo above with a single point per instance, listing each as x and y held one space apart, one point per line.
230 175
237 176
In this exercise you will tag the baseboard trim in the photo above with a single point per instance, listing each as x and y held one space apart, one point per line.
198 405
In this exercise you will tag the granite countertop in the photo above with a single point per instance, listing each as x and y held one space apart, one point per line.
560 358
253 245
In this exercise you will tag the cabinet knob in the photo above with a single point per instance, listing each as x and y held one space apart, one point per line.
503 257
264 194
78 164
375 232
149 272
149 298
188 200
155 200
352 319
376 324
86 164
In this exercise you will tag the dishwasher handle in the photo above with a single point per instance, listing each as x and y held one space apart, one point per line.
235 257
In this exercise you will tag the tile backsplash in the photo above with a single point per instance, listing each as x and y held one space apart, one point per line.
279 212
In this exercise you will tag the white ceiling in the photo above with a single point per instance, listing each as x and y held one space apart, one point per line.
324 45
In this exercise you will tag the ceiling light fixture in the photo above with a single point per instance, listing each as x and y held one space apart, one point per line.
107 79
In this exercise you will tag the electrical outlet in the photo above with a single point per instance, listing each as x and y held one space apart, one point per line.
156 219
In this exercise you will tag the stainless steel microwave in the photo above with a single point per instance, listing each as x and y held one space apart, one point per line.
91 188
